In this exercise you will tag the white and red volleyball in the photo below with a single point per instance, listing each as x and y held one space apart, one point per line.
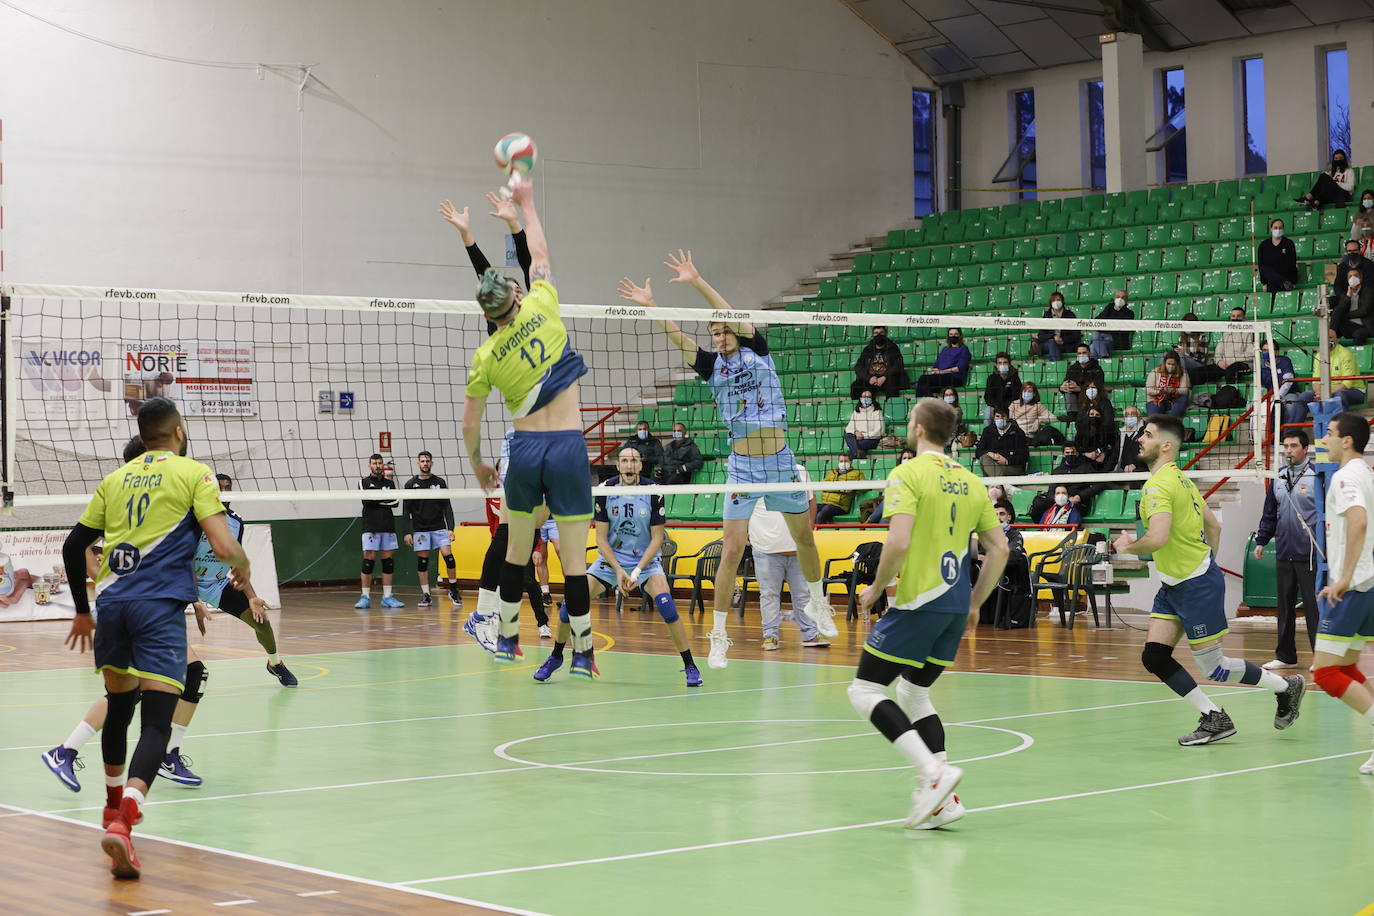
515 153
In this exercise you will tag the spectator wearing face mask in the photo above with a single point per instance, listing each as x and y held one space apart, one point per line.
1353 318
1334 186
1128 445
1002 450
1061 511
866 428
1082 372
1192 349
1167 387
1105 343
1276 260
1353 259
1055 342
950 369
951 397
1006 514
1081 495
1288 389
835 503
1232 358
880 367
1031 414
1096 431
650 449
1003 386
682 458
1362 226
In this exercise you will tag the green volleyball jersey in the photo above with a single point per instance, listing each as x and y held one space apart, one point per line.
150 511
950 505
1185 554
530 360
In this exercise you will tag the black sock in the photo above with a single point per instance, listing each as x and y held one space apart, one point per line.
686 656
558 649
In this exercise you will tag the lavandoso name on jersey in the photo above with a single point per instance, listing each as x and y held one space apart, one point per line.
520 335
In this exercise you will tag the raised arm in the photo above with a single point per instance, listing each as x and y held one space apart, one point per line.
503 208
681 264
523 194
643 296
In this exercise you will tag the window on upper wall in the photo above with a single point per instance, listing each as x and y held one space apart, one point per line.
1336 96
1023 139
1254 134
1096 135
923 149
1176 148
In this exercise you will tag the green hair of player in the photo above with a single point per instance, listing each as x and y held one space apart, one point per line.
492 292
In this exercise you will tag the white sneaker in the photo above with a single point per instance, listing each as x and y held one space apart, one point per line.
1367 768
719 644
1276 665
545 632
824 618
931 796
952 811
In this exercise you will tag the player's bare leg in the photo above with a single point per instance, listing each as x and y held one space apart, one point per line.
734 537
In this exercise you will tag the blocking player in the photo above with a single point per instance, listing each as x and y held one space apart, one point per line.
530 360
1182 534
379 534
151 513
630 527
745 383
935 505
1347 602
431 520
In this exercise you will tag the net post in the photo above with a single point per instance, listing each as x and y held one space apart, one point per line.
1323 342
7 405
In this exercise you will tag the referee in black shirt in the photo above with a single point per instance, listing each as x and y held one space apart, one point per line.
379 534
431 520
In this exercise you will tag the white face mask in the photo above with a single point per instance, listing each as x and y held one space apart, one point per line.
1082 359
642 433
1061 499
1353 281
1001 423
678 434
950 399
1368 203
1276 233
1027 396
1056 305
1119 302
1132 422
1003 368
1091 393
844 467
865 402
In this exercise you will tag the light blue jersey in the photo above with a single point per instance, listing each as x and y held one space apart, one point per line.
212 575
746 387
631 518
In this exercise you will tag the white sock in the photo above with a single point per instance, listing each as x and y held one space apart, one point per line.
915 750
386 591
488 602
817 593
178 734
1272 681
136 795
510 619
425 589
1201 700
718 619
274 660
367 593
79 736
112 781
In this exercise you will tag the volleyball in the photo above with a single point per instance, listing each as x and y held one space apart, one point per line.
515 153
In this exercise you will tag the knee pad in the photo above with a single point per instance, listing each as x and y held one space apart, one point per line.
450 563
1334 680
1158 659
666 608
196 676
577 596
421 563
1217 667
914 700
368 566
865 696
388 565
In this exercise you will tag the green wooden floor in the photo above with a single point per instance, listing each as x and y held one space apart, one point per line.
760 792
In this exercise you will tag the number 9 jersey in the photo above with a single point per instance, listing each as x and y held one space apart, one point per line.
529 360
150 511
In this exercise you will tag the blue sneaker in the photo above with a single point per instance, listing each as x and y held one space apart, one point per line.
693 676
479 627
62 761
583 666
364 602
177 768
392 601
546 670
282 673
507 650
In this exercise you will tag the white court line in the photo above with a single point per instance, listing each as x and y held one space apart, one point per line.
823 830
147 913
262 860
315 893
245 900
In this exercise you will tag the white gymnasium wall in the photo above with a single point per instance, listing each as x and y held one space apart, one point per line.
762 135
1214 116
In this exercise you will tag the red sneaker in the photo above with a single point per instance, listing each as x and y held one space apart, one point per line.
119 846
108 816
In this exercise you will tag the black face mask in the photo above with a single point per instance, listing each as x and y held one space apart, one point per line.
1072 461
1338 164
953 341
879 335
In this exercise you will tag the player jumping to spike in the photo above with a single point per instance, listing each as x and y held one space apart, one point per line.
745 383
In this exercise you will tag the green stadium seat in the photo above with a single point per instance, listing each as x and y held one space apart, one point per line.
1218 207
1158 236
1205 231
1305 222
1328 246
1197 256
1162 284
1181 233
1125 262
920 258
901 260
1150 259
1193 210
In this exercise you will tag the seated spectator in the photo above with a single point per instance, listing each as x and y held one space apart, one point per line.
950 369
1350 391
1061 513
1362 230
1002 450
1033 417
1105 343
1003 386
1081 495
1276 260
1366 207
650 449
1192 348
1232 358
1354 314
1010 604
881 366
682 458
1128 444
1288 389
1054 343
1353 259
1333 186
997 492
1082 372
1006 514
834 503
876 515
1167 388
951 397
1096 396
1096 431
866 427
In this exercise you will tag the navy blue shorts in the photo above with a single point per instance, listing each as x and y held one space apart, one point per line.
1199 604
1348 625
145 637
549 469
915 637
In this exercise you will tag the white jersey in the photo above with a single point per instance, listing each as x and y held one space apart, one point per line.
768 529
1352 485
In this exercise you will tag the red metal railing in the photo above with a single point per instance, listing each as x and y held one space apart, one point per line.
605 445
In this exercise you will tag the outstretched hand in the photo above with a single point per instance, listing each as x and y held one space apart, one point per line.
682 263
455 217
639 295
522 189
503 208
